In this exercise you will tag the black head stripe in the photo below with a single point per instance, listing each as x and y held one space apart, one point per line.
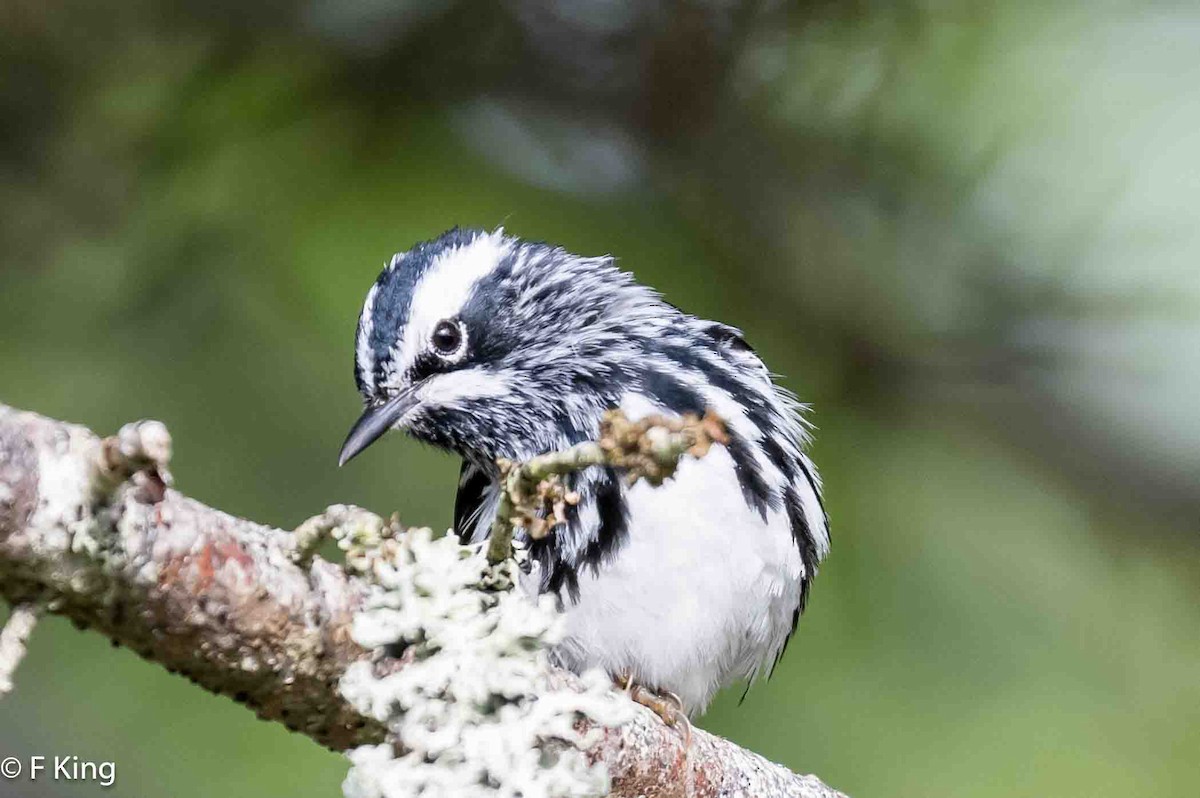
392 307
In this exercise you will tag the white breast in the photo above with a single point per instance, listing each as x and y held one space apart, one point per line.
702 593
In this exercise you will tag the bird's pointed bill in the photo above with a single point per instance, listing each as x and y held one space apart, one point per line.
374 422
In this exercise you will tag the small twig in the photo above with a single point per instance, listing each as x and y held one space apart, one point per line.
138 447
355 530
13 638
534 497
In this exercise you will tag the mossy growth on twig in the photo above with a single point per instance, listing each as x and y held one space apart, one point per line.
534 497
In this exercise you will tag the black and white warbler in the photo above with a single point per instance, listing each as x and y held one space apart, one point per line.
489 347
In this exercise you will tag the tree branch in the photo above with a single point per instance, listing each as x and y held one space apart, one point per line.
13 639
90 530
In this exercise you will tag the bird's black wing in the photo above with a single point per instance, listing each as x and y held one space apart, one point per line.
734 348
468 504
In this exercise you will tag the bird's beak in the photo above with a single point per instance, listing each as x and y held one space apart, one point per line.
375 421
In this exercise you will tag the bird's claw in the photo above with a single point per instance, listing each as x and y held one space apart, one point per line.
667 705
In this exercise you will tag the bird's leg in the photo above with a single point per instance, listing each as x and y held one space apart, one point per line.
664 703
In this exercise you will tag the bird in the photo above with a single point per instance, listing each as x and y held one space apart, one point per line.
489 346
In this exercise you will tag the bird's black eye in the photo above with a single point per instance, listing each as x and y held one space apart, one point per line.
447 337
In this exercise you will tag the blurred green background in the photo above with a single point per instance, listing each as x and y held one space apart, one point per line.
965 232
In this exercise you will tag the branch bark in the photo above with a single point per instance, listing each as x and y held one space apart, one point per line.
90 530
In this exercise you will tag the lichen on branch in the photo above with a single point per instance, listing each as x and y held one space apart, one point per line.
474 711
138 447
357 532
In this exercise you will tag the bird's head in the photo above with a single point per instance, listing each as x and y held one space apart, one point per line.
494 347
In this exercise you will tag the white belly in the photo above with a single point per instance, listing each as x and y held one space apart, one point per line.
702 593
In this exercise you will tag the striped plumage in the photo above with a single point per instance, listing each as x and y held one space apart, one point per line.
684 587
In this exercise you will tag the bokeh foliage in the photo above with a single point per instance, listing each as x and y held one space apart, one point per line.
961 230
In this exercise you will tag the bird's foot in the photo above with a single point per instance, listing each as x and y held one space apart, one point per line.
664 703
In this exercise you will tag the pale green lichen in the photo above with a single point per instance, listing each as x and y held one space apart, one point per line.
474 714
357 532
